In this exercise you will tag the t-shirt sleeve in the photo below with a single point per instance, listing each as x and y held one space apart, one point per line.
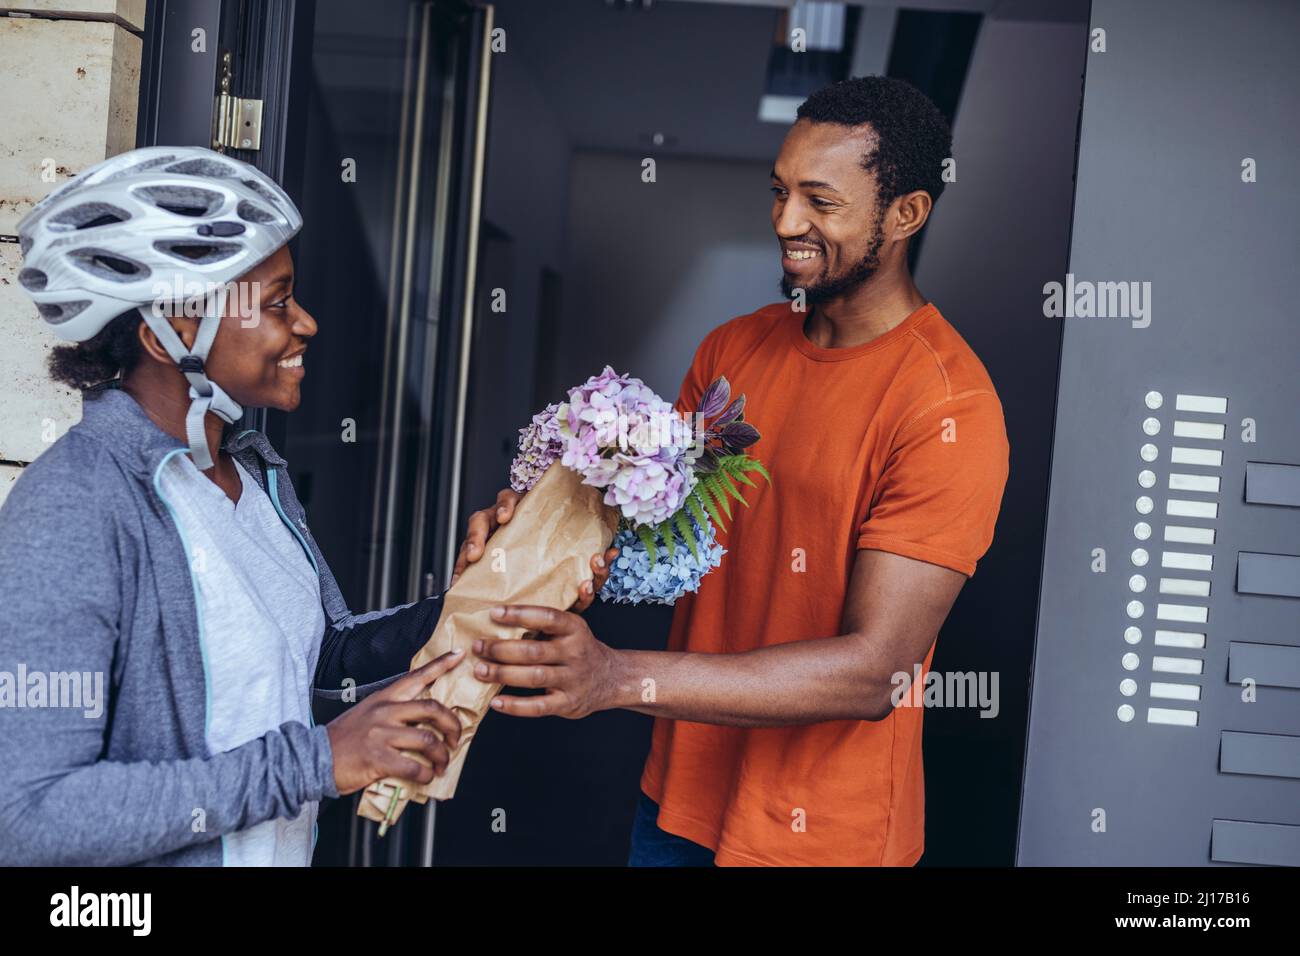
700 375
939 494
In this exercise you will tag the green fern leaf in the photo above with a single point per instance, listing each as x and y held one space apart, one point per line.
708 500
683 524
732 489
728 491
753 464
693 505
648 539
665 530
714 488
736 466
739 475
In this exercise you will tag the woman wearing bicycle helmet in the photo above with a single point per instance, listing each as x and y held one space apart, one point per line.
166 616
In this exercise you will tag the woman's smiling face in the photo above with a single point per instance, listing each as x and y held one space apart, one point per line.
257 356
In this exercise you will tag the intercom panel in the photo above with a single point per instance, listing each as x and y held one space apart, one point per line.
1165 712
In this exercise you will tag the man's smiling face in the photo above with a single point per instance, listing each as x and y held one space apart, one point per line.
825 210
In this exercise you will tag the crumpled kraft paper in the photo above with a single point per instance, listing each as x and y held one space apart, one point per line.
541 556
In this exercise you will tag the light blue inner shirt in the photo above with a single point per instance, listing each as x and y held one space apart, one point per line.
260 605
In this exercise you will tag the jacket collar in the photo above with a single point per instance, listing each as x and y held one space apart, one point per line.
250 438
112 417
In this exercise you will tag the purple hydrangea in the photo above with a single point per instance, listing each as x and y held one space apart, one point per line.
620 436
539 446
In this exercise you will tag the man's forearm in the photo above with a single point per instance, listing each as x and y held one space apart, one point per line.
803 682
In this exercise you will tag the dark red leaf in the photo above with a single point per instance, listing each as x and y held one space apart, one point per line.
732 412
715 397
739 435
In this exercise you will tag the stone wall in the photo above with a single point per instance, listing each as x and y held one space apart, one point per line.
70 71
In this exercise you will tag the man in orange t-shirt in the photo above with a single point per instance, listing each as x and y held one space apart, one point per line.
780 737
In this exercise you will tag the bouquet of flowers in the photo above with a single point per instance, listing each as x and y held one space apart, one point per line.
672 479
613 461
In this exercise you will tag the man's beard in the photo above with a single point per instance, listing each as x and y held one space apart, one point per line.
834 287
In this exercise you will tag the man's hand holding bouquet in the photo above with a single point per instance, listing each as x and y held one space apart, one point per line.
614 462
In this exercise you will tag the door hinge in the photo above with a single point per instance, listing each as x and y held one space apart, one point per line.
236 122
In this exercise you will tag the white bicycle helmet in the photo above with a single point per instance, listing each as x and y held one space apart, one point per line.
113 237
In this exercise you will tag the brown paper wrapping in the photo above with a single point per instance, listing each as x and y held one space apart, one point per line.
541 556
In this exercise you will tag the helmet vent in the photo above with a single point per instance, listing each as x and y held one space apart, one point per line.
202 253
140 167
25 244
261 190
204 167
88 215
250 212
106 265
57 314
33 280
182 200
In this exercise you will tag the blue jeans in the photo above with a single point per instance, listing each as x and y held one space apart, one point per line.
652 846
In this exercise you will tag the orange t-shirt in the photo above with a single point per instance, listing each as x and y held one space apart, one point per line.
896 445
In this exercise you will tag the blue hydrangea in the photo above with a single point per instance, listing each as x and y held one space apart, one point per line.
634 580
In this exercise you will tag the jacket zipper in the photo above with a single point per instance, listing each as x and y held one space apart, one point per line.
273 492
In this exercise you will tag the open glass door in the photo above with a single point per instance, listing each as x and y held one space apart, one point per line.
389 165
373 118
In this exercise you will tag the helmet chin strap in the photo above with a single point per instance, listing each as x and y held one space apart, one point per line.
205 394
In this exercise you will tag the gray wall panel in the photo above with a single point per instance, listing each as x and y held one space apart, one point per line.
1184 92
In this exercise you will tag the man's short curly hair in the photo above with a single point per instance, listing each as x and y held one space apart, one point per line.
913 137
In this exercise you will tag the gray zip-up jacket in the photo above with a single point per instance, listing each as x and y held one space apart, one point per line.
95 580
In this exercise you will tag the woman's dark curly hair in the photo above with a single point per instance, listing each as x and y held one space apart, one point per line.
114 352
913 137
